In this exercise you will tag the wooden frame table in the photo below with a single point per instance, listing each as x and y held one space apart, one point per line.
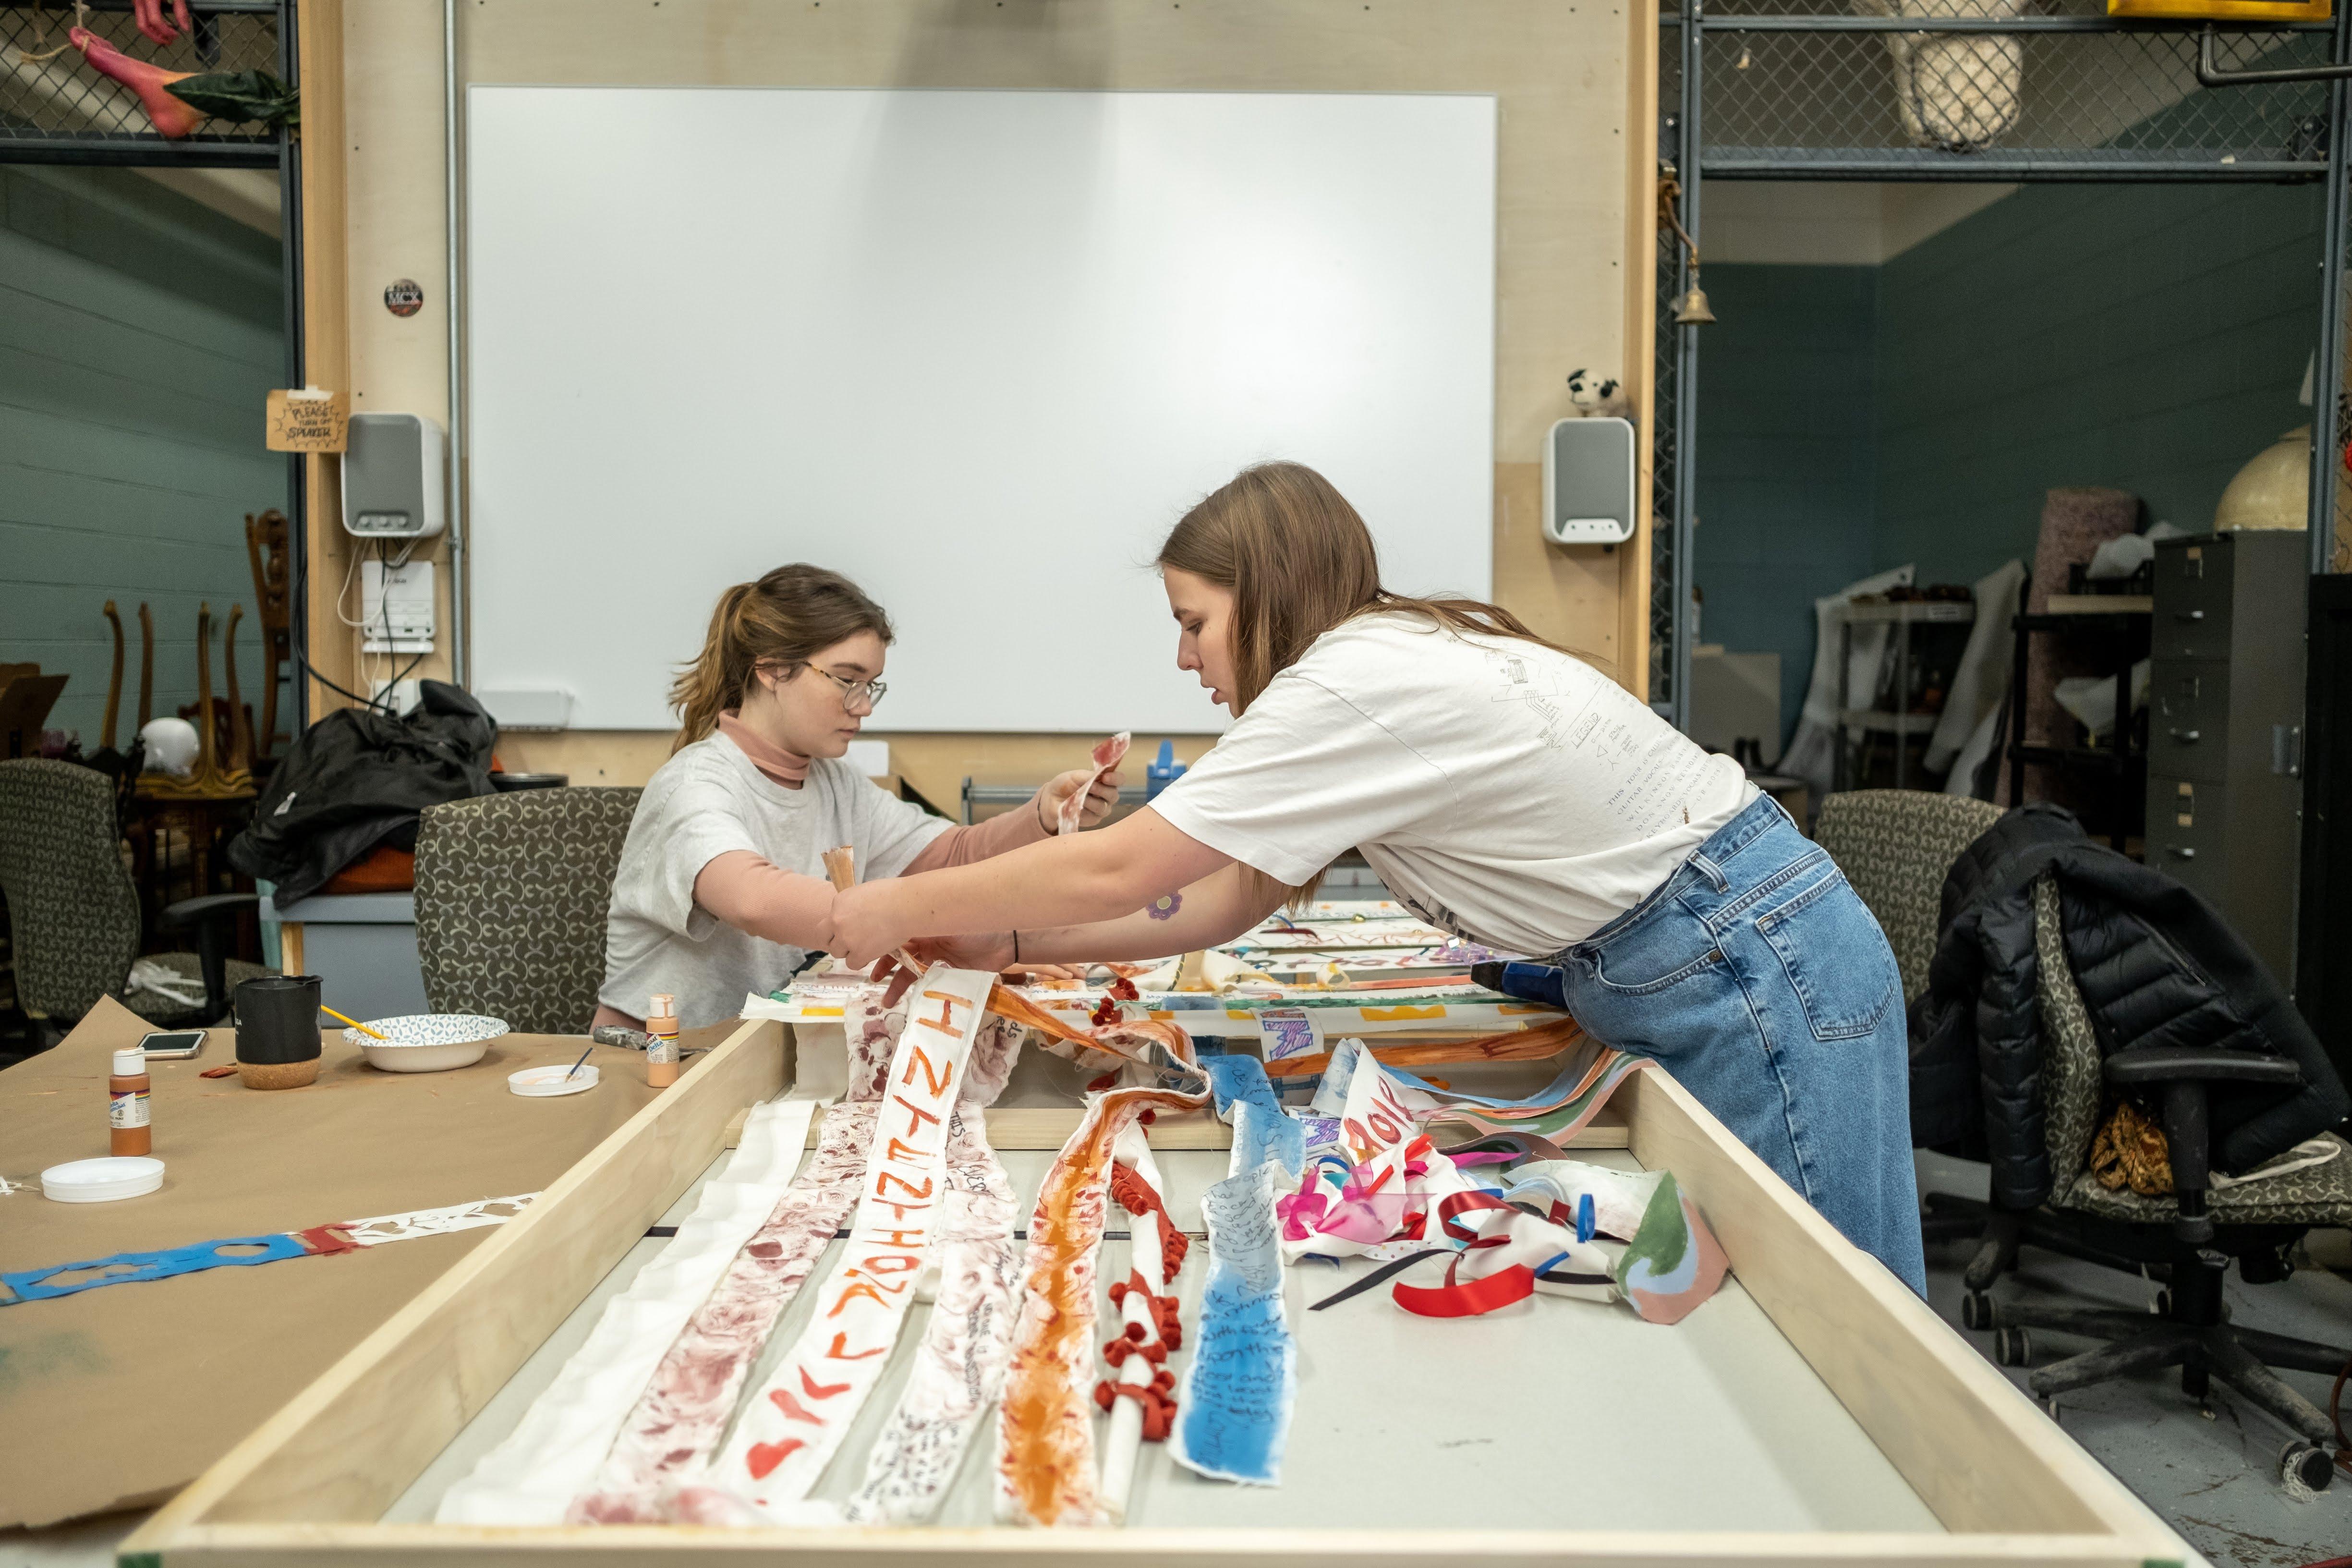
313 1483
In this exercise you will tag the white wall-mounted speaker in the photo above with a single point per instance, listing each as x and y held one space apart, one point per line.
392 477
1588 474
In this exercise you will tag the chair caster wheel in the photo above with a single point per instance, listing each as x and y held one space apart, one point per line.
1976 1310
2162 1307
2308 1463
2049 1407
2012 1347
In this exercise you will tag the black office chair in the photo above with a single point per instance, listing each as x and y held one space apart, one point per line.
2188 1238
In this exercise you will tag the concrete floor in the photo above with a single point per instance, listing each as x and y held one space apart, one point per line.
2212 1472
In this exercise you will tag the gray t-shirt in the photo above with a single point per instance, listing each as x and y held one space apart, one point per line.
705 801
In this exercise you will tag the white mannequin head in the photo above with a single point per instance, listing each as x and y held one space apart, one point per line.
171 746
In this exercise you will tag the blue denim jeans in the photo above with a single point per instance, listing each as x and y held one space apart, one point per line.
1756 975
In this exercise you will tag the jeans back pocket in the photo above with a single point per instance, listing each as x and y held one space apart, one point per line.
1837 959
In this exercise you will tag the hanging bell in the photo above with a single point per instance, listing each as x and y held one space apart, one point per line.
1691 310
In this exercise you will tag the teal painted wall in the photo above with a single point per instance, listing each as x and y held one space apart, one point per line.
1785 455
2152 338
139 335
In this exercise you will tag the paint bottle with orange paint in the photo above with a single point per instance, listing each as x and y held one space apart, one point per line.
662 1055
127 1098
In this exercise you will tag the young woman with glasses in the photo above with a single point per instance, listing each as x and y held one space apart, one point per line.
721 888
1506 790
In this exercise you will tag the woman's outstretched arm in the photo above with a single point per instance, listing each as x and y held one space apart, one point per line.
1086 879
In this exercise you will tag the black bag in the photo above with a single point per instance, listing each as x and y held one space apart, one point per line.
358 778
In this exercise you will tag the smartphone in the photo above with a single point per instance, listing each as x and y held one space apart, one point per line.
173 1045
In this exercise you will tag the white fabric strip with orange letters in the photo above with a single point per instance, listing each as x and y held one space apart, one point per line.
791 1428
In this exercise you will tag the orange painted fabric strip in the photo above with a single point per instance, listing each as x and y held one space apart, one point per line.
1046 1448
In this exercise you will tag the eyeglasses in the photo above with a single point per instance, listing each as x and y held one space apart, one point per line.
870 691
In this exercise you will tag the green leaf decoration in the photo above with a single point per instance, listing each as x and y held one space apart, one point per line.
240 95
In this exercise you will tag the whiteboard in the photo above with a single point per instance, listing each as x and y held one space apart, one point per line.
977 349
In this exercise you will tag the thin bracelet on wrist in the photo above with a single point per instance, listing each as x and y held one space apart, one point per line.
1042 825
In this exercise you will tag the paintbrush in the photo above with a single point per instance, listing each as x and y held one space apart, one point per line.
575 1066
354 1023
841 866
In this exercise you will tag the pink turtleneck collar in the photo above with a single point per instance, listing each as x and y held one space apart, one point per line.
787 768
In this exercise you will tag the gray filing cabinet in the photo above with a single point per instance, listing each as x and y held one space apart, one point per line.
2225 736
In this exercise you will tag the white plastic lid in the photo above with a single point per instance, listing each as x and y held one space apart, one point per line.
131 1061
102 1179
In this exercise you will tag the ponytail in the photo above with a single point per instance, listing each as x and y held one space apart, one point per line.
786 618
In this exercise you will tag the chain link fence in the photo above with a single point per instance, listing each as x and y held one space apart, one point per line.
60 103
2018 89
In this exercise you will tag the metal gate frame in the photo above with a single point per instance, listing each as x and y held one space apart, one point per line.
1682 143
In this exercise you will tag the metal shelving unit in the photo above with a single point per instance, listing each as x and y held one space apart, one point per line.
1903 726
1990 91
2127 632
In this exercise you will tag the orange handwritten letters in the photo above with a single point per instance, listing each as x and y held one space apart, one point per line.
783 1443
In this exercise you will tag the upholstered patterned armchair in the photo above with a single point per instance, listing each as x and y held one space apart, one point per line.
73 910
1895 846
511 896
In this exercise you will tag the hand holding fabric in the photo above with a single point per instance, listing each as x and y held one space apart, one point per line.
865 924
1100 794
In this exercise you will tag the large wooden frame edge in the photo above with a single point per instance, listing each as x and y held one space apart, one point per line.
1982 1455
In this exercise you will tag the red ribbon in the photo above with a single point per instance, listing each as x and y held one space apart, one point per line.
1480 1295
1158 1398
1136 1196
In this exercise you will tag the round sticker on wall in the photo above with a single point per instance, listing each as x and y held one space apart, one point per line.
403 297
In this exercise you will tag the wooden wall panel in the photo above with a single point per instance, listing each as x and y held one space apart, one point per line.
326 333
1575 88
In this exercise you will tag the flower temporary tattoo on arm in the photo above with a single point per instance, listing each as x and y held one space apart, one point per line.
1165 906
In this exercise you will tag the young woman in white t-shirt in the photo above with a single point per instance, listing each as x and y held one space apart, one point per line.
1505 791
721 889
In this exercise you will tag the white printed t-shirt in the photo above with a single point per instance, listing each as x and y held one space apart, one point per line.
703 802
1503 790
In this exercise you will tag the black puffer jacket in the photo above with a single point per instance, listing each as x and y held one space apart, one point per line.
358 778
2156 965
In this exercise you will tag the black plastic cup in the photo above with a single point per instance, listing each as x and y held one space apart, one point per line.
278 1019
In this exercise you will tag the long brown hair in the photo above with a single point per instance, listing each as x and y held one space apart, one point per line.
787 618
1299 561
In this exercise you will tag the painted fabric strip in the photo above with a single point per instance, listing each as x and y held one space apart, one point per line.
1070 816
684 1409
1045 1458
1239 1078
319 1241
960 1368
791 1428
553 1454
1233 1414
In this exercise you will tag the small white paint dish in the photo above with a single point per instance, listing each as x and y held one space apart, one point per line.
545 1083
427 1042
102 1181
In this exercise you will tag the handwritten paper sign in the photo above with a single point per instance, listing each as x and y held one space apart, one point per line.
797 1422
309 420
